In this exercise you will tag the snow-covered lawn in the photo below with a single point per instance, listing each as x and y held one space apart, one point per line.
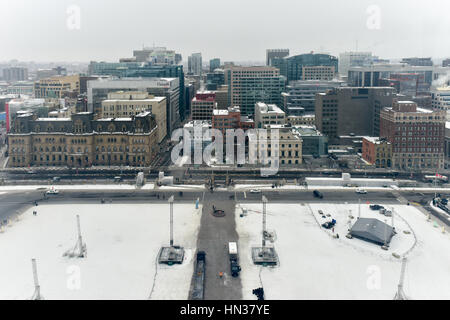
315 265
123 241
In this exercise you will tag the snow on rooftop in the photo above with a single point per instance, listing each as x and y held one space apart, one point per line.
53 119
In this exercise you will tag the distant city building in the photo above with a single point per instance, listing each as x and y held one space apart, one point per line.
417 135
370 76
314 143
214 64
47 73
289 147
268 114
440 99
353 59
275 53
222 97
349 111
292 67
318 73
164 87
156 55
446 63
21 88
195 64
410 84
144 70
199 133
13 74
57 86
377 152
303 120
81 141
249 85
447 145
417 61
123 104
215 79
300 96
231 119
203 105
22 105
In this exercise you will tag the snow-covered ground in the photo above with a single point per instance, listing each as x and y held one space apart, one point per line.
183 187
316 265
268 187
77 187
123 242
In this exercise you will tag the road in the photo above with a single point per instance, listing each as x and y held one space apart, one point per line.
213 238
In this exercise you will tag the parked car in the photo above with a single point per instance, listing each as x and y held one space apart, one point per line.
52 191
360 191
375 207
329 224
255 191
317 194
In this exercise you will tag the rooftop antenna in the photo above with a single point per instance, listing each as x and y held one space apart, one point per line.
172 254
359 208
37 287
79 251
264 231
171 220
400 294
264 255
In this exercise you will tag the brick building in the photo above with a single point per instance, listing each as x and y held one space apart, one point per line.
416 134
377 152
203 105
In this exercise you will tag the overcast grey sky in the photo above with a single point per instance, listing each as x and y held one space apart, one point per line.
232 29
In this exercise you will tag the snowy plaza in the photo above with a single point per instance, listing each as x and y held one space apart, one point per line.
123 241
314 264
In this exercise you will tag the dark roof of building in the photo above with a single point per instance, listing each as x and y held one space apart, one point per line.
373 230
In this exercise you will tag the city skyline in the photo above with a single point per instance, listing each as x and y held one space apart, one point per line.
380 27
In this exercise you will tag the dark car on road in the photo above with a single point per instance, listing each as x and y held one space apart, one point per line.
317 194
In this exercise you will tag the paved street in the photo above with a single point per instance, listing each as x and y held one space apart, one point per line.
213 238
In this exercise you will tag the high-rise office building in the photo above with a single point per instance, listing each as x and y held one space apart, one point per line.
416 134
268 114
144 70
203 105
300 96
156 55
292 67
417 61
13 74
440 99
214 64
349 111
123 104
369 76
195 65
275 53
215 79
353 59
249 85
167 87
57 86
